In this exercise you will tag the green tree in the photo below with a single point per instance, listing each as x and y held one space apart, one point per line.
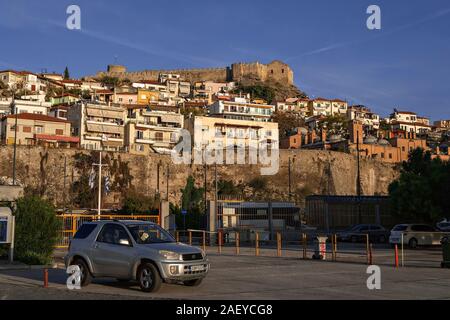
66 73
257 91
37 230
287 122
335 124
227 187
421 192
192 202
137 203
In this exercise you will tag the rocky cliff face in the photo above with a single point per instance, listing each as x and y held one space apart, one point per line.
42 170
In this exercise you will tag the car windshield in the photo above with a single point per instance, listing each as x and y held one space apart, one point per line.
400 228
149 233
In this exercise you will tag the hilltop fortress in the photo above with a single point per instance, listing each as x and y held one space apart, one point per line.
275 70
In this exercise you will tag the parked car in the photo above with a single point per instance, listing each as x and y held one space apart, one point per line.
359 232
135 250
416 235
444 226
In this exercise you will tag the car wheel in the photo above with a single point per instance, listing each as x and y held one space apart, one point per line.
382 239
86 276
412 243
192 283
148 277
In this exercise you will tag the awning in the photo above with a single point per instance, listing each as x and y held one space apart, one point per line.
50 137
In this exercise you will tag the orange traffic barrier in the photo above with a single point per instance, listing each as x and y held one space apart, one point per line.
204 240
304 245
370 255
219 248
190 237
278 244
45 278
238 249
256 243
396 256
177 234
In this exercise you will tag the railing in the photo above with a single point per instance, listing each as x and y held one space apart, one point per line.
71 223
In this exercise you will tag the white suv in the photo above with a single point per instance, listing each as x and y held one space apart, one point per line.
416 235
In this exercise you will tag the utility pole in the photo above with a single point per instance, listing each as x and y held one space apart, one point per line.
13 107
358 179
65 176
100 165
167 184
289 176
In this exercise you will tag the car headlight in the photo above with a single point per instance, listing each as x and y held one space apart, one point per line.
170 255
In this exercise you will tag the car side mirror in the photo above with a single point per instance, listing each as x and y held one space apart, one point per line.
124 242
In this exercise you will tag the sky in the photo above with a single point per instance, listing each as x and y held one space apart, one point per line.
405 65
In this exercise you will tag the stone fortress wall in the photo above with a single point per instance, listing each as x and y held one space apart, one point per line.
275 70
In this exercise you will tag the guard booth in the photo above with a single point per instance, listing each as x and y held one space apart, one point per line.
7 230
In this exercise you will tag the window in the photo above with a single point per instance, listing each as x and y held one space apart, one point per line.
59 132
112 234
140 147
139 134
159 136
390 155
38 129
382 155
84 231
403 149
282 70
26 129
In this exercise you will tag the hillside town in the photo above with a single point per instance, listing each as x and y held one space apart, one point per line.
112 112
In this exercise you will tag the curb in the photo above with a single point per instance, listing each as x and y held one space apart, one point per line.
27 267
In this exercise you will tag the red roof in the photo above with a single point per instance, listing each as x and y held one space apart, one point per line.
34 116
104 92
56 138
71 81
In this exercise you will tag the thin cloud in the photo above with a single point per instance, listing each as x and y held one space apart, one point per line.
338 45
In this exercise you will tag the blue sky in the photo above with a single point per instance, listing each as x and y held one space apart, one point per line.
406 64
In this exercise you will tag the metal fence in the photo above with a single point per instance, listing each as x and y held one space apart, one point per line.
71 223
266 218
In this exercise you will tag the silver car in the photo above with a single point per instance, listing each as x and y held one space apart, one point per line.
135 250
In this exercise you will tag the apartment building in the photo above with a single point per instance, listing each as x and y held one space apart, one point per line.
31 106
99 126
37 129
65 98
327 107
5 106
442 124
241 109
152 129
297 105
206 90
22 80
231 132
409 122
369 119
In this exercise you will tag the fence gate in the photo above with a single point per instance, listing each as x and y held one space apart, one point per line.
266 218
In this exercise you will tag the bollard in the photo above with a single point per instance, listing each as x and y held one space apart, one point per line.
396 255
304 245
177 234
190 238
219 248
45 278
370 255
278 244
367 249
332 248
204 241
238 249
256 243
335 247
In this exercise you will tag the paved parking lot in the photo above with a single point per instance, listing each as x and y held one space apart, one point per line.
249 277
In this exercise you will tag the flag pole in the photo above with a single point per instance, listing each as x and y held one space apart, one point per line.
99 186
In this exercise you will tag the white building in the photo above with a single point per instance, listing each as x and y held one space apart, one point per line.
241 109
31 106
365 116
327 107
